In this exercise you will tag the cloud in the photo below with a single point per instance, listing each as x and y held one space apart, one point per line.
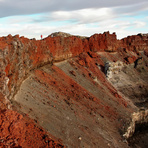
131 9
91 15
34 30
75 17
140 24
84 16
18 7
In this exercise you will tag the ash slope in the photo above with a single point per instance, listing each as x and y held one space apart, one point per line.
67 87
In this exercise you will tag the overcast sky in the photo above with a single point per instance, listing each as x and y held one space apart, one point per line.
31 18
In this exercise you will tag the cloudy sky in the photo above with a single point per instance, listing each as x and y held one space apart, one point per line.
31 18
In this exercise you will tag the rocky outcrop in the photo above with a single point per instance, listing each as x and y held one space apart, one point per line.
103 42
19 55
61 34
19 131
136 42
65 74
140 117
112 68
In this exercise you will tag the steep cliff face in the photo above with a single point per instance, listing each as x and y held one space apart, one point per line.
103 42
20 55
61 82
136 42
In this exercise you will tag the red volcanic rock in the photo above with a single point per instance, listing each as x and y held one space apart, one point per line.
93 54
63 48
146 52
19 131
135 43
97 42
20 56
130 60
86 59
3 102
81 62
103 42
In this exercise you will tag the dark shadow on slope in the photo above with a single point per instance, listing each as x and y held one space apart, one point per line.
140 137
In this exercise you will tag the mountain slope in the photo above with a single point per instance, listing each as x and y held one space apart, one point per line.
82 91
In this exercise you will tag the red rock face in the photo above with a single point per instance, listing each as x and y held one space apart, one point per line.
19 57
103 42
31 53
130 59
146 52
19 131
135 42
